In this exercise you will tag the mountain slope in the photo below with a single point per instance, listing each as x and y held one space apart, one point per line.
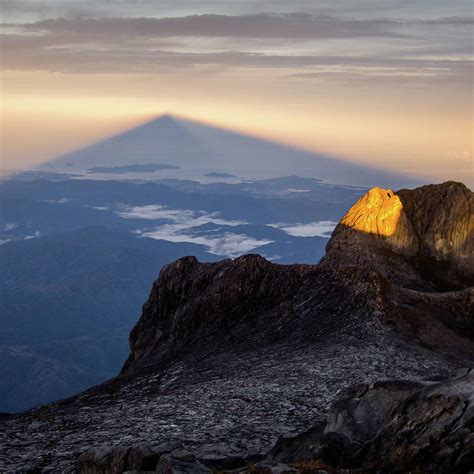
375 253
229 356
67 303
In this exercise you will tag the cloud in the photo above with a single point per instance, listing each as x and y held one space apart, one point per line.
9 226
4 238
63 200
181 225
394 72
287 26
313 45
227 244
122 8
29 54
34 236
310 229
263 25
295 190
28 9
183 218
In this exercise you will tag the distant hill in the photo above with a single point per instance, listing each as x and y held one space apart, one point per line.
67 303
220 175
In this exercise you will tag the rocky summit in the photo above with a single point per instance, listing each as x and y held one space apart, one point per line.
421 238
362 361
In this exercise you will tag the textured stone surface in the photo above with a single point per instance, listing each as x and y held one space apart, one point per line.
392 426
173 464
228 357
428 233
379 212
139 458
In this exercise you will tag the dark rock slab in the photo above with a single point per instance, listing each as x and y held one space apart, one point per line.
392 427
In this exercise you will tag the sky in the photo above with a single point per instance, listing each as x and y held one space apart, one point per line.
383 82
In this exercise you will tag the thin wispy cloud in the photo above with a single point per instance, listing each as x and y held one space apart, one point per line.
287 26
159 61
227 244
63 200
309 229
434 49
15 9
183 222
33 236
183 218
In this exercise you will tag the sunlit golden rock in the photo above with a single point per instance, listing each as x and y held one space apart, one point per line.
377 219
377 212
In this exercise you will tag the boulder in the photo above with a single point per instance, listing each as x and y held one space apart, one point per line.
392 426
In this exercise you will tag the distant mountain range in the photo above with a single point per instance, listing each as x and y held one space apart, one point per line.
199 149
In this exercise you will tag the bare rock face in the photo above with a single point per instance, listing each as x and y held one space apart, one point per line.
442 218
380 213
392 426
422 237
139 458
200 306
387 245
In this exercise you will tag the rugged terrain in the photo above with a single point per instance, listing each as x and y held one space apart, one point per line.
229 357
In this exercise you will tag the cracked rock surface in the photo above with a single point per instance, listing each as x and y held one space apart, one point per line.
392 426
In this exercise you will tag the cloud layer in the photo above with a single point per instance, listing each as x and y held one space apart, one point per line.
287 26
310 229
182 224
314 45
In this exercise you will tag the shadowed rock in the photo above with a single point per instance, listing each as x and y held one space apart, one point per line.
373 261
392 426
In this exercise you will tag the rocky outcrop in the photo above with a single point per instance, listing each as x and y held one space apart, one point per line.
386 259
203 306
421 238
228 356
392 427
165 458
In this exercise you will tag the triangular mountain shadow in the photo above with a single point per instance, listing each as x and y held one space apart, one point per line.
200 147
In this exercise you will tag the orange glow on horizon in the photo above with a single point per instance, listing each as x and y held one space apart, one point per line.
72 111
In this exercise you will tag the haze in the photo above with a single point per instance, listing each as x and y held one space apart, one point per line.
388 85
